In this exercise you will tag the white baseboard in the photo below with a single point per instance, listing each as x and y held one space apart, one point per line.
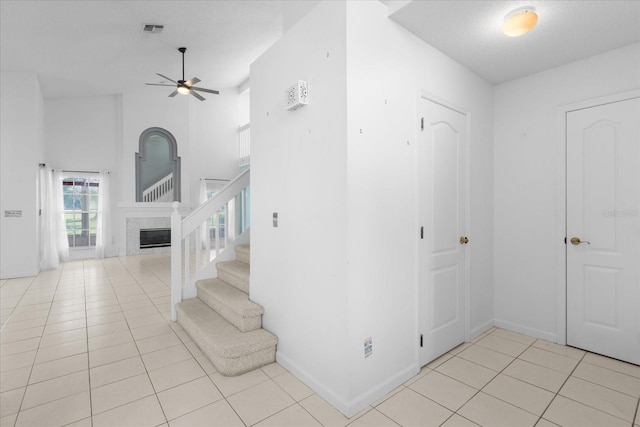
480 329
355 405
532 332
360 402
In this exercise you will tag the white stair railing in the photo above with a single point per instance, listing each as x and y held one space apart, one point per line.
191 234
159 189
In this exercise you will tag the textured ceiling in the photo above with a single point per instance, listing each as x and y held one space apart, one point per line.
97 47
471 32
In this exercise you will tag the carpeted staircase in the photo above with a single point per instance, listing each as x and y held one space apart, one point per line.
225 323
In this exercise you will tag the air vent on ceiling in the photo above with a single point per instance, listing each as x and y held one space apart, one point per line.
152 28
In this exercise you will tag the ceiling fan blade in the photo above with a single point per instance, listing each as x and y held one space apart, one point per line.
197 95
174 93
166 78
159 84
192 81
201 89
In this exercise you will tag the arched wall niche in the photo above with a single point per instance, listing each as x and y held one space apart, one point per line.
156 158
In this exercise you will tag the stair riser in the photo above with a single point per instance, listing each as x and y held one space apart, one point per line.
245 324
242 365
243 257
243 253
227 366
241 283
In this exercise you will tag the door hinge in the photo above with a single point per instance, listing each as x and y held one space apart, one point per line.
421 123
422 232
565 240
421 340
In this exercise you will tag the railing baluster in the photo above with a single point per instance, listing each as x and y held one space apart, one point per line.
227 224
217 230
198 260
187 259
176 259
207 242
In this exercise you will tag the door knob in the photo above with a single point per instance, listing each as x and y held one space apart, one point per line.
576 241
464 240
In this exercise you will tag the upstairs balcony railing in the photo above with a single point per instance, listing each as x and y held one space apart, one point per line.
157 191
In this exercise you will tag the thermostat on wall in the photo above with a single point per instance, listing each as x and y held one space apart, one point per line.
296 96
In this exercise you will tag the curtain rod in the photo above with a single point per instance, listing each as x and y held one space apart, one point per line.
42 165
92 172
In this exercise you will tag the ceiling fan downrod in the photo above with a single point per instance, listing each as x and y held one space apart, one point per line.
182 50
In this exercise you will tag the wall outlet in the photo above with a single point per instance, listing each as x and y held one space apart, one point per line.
275 219
368 347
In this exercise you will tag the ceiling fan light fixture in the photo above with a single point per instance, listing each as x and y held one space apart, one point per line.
520 21
183 90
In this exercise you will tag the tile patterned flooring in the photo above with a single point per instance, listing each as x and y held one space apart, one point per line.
91 344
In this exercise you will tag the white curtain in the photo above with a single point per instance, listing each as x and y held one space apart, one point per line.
54 243
49 257
59 231
104 215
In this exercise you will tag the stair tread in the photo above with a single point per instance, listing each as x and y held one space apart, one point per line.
237 300
225 339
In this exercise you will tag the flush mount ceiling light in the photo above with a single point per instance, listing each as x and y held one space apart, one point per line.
520 21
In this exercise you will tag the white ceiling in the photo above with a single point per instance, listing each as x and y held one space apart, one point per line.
97 47
470 31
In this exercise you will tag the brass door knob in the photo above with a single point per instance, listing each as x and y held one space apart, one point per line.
464 240
576 241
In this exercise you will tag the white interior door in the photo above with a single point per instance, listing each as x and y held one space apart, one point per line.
442 218
603 229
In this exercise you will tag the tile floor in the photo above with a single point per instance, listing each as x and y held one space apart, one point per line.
90 344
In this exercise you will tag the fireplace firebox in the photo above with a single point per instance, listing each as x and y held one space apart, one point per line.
155 237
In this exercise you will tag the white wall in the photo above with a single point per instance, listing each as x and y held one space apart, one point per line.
21 149
387 68
84 134
528 178
346 200
298 169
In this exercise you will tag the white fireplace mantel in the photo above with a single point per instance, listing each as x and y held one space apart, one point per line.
145 210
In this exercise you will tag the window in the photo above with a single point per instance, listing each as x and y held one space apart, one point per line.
217 219
81 210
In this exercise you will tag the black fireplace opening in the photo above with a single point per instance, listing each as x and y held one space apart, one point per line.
155 237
